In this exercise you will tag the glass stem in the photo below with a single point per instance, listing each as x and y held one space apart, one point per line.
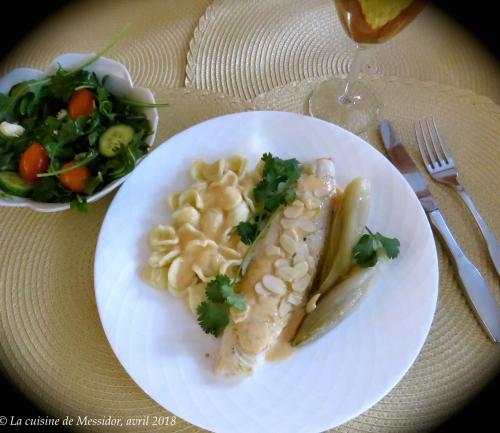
358 60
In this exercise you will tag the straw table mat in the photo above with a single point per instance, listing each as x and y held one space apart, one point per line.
52 343
247 48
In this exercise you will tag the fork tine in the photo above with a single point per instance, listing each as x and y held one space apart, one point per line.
444 150
435 145
430 150
421 144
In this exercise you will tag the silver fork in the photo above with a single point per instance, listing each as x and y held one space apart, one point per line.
440 165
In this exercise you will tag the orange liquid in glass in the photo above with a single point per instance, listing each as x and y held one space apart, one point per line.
361 31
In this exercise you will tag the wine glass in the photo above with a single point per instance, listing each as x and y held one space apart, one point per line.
350 103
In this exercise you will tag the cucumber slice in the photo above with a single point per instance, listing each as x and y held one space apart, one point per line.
12 183
114 138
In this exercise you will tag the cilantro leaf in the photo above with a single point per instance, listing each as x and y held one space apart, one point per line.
363 252
247 231
213 317
217 287
390 245
213 314
276 189
366 251
233 299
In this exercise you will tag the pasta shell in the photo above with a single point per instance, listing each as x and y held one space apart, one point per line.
197 170
237 164
196 295
191 197
229 267
155 277
230 198
186 214
162 237
180 277
211 222
239 213
229 253
187 232
173 200
159 258
228 179
213 171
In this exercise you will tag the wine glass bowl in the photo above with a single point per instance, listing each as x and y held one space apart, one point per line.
350 103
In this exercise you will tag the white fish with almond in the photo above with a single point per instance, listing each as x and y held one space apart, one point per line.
280 273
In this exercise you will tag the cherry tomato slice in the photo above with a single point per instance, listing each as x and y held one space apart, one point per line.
81 103
33 161
73 180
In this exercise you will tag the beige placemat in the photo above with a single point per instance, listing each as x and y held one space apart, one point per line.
53 345
457 359
154 49
246 48
52 342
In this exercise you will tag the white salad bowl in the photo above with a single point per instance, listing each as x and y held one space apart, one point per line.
119 83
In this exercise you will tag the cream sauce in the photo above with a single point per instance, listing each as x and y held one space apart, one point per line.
282 349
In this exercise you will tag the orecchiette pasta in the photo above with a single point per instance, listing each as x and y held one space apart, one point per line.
201 242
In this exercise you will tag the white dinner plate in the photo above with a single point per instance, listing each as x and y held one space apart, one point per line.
323 384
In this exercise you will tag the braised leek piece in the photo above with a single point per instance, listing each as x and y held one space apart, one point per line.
333 307
347 227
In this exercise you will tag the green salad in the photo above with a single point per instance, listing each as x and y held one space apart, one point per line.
65 136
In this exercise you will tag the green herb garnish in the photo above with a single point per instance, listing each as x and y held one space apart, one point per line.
276 189
368 248
213 314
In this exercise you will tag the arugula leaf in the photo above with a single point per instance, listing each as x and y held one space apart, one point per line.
366 251
79 204
213 317
92 184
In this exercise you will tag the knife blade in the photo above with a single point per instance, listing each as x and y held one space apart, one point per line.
475 287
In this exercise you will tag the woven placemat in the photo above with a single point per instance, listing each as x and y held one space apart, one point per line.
457 359
154 48
246 48
53 345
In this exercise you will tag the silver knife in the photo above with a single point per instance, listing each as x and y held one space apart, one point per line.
476 288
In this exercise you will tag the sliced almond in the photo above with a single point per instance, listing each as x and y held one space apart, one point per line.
286 273
307 225
312 203
294 299
301 284
280 263
274 284
300 270
284 308
293 211
274 250
311 304
288 223
288 243
259 289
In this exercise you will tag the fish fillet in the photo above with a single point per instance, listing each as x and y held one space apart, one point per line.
280 274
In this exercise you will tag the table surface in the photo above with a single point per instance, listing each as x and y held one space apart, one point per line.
211 58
